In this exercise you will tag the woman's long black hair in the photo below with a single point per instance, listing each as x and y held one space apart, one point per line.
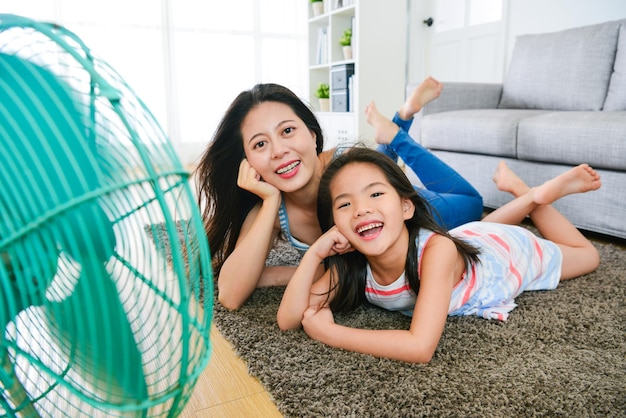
348 271
223 204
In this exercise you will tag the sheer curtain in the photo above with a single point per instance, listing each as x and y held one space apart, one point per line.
188 59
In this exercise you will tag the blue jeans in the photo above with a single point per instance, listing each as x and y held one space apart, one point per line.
454 199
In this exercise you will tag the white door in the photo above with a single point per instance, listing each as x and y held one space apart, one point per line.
466 40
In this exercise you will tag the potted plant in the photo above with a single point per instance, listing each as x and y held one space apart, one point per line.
317 6
346 42
323 94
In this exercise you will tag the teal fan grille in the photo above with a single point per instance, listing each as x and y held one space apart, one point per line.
104 262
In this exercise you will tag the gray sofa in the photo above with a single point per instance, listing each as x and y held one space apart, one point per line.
563 102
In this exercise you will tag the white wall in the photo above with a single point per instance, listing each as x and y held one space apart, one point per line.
418 11
538 16
522 17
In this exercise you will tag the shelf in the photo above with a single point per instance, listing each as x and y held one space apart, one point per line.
345 10
378 56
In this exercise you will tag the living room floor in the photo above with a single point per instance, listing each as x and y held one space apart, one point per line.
226 390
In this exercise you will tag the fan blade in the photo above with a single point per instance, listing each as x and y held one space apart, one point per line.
26 270
47 167
46 159
95 333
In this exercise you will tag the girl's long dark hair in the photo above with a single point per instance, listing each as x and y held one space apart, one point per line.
223 204
348 271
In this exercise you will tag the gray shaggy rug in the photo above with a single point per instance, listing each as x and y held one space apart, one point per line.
562 353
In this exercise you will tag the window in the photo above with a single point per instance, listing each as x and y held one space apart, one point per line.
188 59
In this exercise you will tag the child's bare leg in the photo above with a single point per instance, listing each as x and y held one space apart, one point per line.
549 221
427 91
507 181
385 129
579 255
517 210
579 179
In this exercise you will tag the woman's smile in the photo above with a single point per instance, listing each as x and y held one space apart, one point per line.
289 169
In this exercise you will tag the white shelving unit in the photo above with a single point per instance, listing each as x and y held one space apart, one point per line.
379 56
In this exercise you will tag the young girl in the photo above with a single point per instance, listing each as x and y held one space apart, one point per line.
384 247
258 180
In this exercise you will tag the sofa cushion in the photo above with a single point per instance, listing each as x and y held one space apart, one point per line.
616 97
597 138
480 131
566 70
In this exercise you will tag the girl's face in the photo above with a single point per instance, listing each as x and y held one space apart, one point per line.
368 211
279 146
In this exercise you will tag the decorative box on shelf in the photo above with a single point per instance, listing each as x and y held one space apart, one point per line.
340 101
340 75
340 87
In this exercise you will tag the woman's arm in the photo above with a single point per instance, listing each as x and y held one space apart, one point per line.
242 270
276 276
281 275
304 289
439 273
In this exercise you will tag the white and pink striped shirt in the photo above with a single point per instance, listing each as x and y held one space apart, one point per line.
512 260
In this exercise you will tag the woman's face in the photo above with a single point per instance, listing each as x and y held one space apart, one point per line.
279 146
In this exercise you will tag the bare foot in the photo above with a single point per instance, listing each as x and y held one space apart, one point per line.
507 181
427 91
579 179
386 130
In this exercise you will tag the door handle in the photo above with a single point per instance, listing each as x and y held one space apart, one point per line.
428 22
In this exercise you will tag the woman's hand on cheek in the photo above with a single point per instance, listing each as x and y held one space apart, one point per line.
250 180
317 321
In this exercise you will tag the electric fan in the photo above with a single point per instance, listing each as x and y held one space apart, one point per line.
104 262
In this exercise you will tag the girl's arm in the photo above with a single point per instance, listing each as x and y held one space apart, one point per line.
304 289
441 268
242 270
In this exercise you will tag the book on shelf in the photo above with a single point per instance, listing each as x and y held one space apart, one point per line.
351 102
338 4
322 46
353 40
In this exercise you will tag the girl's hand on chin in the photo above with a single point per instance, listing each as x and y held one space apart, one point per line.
250 180
331 243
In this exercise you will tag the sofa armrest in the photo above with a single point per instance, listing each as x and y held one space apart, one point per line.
461 96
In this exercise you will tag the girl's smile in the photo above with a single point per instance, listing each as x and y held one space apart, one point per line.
369 230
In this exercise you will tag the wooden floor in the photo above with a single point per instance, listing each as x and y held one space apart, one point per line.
226 390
